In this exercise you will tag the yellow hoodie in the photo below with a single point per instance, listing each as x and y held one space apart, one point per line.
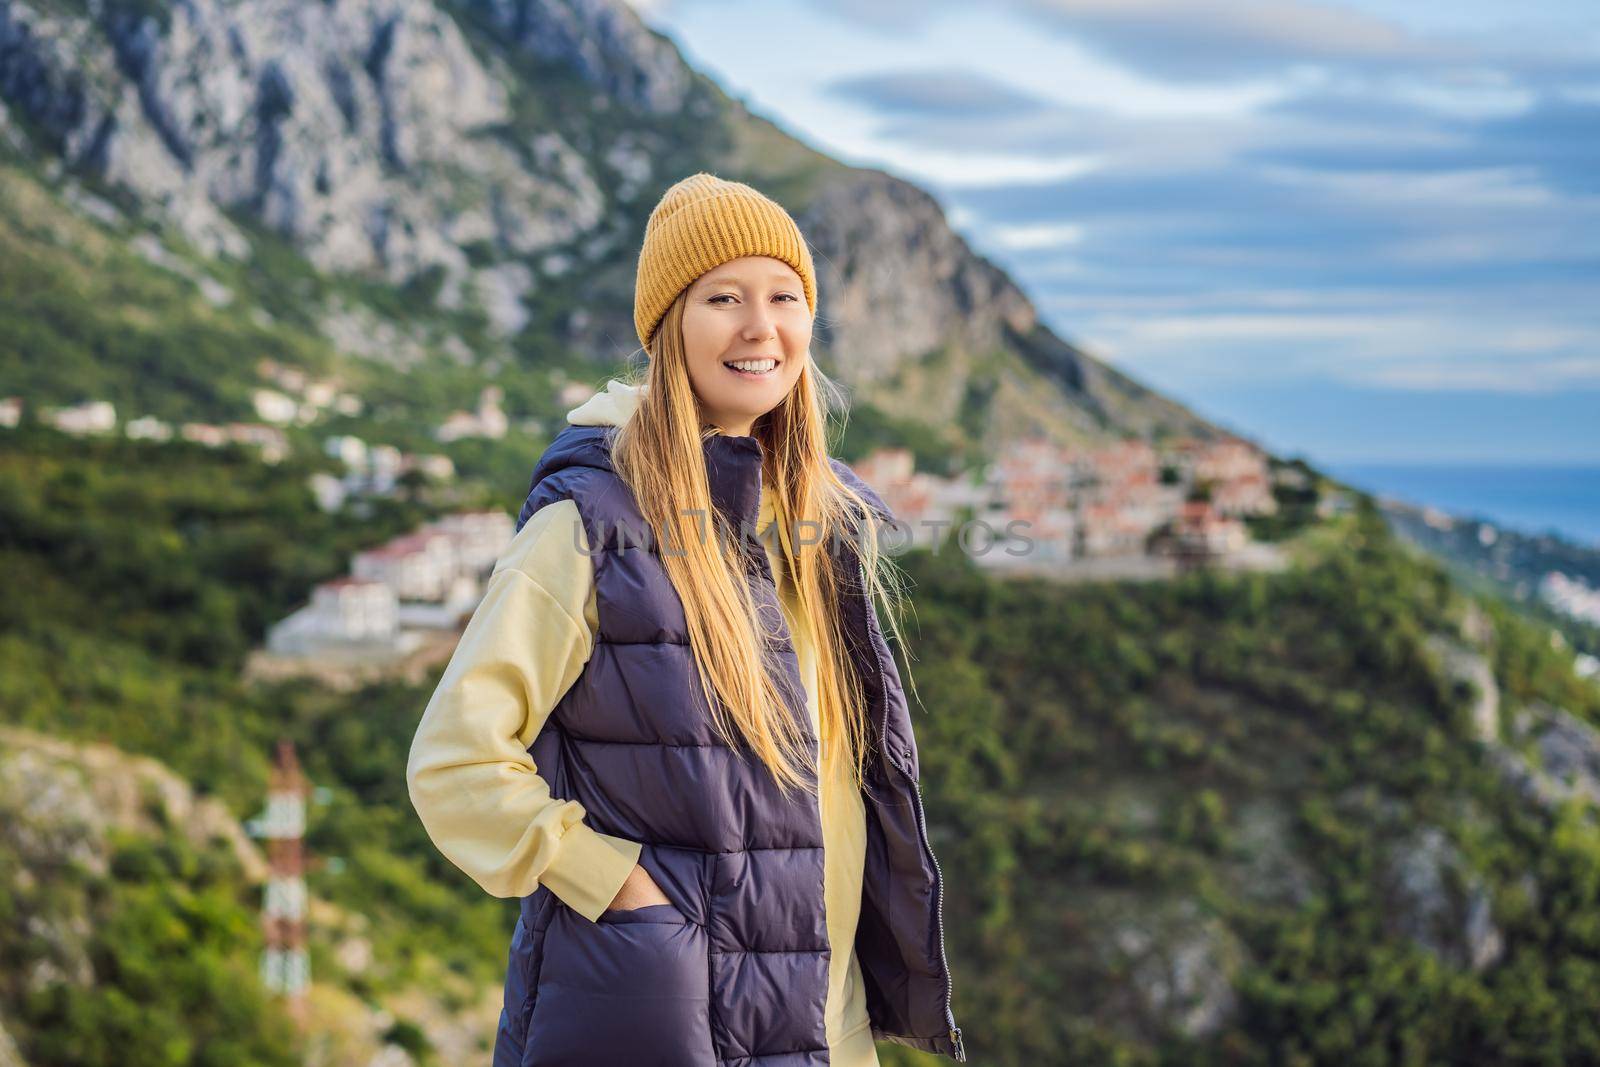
484 804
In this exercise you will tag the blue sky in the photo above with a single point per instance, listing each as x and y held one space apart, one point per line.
1361 231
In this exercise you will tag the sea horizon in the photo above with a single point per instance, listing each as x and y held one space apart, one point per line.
1531 498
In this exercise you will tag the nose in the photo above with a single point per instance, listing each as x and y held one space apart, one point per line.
758 326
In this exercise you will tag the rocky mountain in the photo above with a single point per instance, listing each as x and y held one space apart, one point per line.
499 158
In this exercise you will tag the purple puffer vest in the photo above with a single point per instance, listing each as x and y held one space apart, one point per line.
735 969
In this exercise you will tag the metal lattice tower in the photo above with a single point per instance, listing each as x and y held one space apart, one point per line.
285 967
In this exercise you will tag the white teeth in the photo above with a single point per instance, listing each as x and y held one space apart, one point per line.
755 366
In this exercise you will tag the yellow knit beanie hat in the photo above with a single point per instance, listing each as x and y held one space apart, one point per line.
703 221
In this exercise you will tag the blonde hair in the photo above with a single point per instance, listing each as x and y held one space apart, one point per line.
658 452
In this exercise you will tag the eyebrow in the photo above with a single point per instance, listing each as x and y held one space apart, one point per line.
728 279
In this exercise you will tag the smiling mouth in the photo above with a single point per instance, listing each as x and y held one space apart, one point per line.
752 368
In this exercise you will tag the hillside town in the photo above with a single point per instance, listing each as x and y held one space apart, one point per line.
1126 509
1125 503
397 592
1119 510
292 398
99 417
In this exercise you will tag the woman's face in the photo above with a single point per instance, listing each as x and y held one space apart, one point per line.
751 310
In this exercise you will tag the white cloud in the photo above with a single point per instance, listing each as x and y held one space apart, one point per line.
1393 349
1497 186
954 169
1029 237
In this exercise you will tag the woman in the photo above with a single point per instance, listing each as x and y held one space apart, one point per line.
673 727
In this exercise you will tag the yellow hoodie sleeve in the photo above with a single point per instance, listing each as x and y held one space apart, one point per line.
471 779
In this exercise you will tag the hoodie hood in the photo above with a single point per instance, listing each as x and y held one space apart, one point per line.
609 407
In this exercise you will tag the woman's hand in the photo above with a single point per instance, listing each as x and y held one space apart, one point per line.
639 891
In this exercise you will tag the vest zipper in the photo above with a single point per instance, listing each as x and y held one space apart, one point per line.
938 914
957 1049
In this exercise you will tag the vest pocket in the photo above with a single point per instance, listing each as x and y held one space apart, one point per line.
652 913
631 988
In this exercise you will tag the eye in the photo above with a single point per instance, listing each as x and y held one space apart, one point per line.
720 296
792 298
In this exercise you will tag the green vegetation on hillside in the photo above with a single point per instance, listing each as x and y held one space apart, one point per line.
138 576
1163 790
1169 813
171 935
83 316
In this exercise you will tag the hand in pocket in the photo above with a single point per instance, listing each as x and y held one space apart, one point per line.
639 891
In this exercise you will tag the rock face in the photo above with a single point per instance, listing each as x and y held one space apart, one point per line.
393 137
1182 963
1461 663
59 803
903 285
358 129
9 1056
604 41
1548 754
1440 903
869 219
1553 757
61 798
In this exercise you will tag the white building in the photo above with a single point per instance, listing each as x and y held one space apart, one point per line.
351 451
204 433
429 579
329 491
477 536
274 406
92 416
574 393
434 465
1041 539
274 447
487 421
355 609
417 566
1104 531
384 467
342 611
148 428
461 595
